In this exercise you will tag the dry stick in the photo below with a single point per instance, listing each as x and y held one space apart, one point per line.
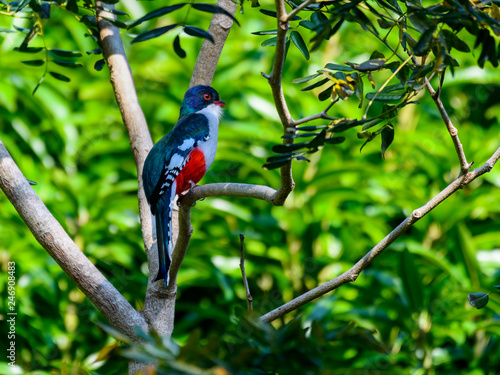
51 235
353 273
243 274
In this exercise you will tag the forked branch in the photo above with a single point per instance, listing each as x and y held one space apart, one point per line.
353 273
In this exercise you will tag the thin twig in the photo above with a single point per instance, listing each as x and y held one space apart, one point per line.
305 4
321 115
243 273
287 183
464 165
353 273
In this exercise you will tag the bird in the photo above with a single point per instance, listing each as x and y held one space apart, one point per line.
178 161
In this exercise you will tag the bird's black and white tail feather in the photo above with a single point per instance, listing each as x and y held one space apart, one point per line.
164 233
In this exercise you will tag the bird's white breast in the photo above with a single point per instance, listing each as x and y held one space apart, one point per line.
208 146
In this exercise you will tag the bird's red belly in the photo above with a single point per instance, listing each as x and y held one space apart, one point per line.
194 170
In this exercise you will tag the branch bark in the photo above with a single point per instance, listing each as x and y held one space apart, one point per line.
219 28
353 273
287 183
51 235
464 165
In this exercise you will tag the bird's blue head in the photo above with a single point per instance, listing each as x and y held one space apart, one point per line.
199 97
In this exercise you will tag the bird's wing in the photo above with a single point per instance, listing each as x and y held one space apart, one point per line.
172 152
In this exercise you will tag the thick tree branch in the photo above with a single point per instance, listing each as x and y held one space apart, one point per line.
232 190
464 165
353 273
51 235
219 28
130 109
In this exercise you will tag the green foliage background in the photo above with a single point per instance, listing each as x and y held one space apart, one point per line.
407 313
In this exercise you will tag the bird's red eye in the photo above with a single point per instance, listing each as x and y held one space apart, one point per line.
207 96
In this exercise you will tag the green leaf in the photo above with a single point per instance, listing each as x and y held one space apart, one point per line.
269 42
2 30
96 51
177 47
325 94
387 138
211 8
72 6
68 64
305 79
334 140
478 300
308 24
385 97
454 41
340 68
156 13
276 164
314 85
99 64
372 123
65 53
60 77
299 43
368 66
424 44
268 32
33 62
197 32
117 23
153 33
114 11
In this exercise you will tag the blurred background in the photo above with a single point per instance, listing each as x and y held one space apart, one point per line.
407 313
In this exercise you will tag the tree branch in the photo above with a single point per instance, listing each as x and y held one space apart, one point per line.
51 235
464 165
130 109
321 115
287 183
353 273
219 28
305 4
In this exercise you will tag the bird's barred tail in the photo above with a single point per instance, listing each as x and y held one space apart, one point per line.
164 233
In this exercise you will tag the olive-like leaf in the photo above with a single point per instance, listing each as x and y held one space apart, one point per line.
269 42
211 8
299 43
177 47
387 138
65 53
454 41
60 77
99 64
266 32
33 62
68 64
424 44
338 67
314 85
153 33
305 79
197 32
478 300
72 6
156 13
